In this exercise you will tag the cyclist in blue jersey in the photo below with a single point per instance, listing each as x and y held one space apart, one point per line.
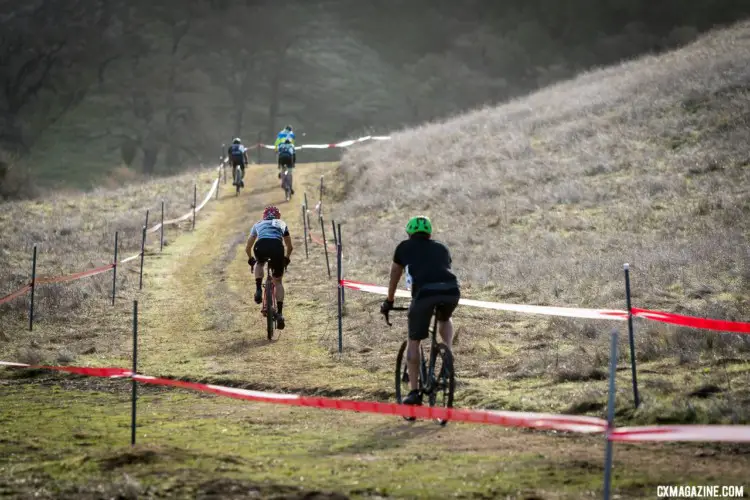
287 158
238 156
267 240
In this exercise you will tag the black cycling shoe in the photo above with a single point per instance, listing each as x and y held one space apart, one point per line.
291 191
413 398
258 296
280 322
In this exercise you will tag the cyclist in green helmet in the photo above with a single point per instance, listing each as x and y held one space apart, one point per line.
427 264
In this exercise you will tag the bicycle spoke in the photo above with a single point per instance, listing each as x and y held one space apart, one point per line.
444 380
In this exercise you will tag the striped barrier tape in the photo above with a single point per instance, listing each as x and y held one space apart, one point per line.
103 269
693 322
576 312
317 240
571 312
666 433
74 276
342 144
529 420
12 295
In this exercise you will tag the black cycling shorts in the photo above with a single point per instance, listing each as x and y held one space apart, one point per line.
238 161
286 160
271 250
444 296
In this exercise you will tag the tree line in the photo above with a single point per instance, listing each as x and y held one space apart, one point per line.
153 84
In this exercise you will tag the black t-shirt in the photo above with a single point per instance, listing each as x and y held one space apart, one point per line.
426 261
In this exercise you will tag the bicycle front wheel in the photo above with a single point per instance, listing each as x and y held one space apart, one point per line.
402 377
444 381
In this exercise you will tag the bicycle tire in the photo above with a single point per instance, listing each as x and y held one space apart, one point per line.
445 379
402 376
237 178
287 187
270 309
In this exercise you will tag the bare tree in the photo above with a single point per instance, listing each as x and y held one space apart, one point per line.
47 48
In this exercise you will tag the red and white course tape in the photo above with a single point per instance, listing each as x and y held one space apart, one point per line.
103 269
571 312
726 433
12 295
342 144
530 420
181 218
693 322
576 312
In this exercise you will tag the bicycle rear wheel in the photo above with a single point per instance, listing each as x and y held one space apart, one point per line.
402 377
287 187
444 383
270 308
237 179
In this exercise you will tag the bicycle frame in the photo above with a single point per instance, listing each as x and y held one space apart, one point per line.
429 375
428 384
269 279
269 303
426 370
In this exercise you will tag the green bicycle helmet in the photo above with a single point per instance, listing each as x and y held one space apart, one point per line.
419 224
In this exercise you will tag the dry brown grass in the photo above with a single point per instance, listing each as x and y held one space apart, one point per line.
75 232
544 198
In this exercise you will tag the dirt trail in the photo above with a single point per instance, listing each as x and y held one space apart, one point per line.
198 321
198 316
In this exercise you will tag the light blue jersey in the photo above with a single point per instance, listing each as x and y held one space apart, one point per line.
270 229
286 149
237 151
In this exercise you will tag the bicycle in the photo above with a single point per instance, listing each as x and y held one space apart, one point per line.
286 184
269 290
429 384
237 179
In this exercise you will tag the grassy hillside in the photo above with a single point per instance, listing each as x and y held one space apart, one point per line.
543 199
75 232
69 436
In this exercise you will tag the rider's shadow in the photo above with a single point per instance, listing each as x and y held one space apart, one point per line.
237 346
264 190
386 436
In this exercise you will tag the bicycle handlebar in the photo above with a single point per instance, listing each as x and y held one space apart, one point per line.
385 314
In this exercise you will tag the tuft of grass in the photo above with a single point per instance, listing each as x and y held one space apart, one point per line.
30 356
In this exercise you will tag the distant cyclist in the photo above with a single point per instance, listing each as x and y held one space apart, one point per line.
287 158
428 267
238 156
284 134
267 240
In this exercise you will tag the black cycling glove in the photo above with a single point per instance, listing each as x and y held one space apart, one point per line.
386 306
251 262
287 260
